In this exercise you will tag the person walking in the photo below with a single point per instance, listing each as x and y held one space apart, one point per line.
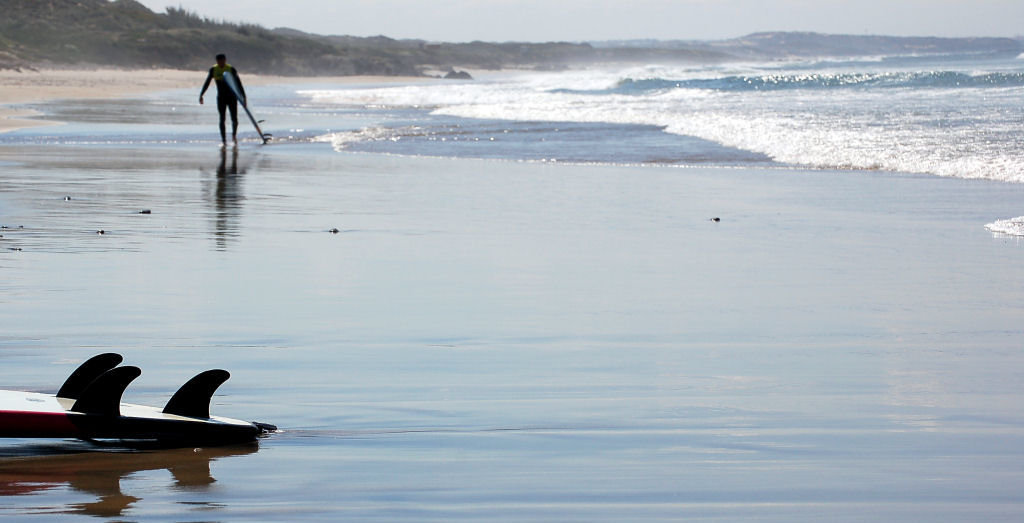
226 98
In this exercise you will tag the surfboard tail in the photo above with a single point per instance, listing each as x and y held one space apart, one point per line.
94 411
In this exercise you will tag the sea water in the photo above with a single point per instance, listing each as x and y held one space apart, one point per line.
513 338
947 115
951 115
486 340
958 116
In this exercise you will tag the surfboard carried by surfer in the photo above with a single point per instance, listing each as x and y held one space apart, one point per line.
230 91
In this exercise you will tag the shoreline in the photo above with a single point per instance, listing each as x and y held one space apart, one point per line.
54 84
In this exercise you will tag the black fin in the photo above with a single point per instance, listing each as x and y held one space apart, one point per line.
86 373
193 398
103 395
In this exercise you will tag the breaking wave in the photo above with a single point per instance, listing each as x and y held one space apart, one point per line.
863 80
1011 227
869 116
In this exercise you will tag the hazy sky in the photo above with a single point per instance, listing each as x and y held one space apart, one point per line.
573 20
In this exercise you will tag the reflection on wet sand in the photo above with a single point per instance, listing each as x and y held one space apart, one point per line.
227 197
100 473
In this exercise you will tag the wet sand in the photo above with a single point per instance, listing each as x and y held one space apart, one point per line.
501 341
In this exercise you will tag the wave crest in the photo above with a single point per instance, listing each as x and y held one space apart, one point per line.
773 82
1011 227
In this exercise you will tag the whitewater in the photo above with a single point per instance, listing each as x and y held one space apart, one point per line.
955 116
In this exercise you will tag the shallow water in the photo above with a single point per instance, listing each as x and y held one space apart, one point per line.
487 340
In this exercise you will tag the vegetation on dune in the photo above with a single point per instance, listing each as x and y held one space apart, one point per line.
124 33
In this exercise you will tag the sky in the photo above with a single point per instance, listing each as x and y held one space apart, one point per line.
581 20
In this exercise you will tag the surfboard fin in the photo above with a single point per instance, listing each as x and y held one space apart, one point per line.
103 395
88 371
193 398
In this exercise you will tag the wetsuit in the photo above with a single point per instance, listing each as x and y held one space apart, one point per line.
226 98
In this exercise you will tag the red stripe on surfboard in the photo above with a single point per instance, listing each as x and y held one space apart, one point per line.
21 424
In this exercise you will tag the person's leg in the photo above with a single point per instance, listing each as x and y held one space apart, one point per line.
234 120
222 106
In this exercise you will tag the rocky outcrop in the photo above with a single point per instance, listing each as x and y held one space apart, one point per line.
457 75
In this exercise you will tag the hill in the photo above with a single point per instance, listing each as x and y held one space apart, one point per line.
124 33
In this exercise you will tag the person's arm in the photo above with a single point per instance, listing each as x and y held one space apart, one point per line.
206 85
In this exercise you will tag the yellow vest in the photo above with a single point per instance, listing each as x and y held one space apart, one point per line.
218 71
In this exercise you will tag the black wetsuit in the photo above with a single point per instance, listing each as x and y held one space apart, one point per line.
226 98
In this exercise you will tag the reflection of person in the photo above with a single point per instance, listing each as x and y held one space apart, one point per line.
226 99
223 171
227 198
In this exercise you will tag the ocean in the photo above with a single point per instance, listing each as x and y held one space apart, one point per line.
759 292
947 115
957 116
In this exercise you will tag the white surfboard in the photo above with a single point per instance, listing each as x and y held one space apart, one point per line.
229 79
88 406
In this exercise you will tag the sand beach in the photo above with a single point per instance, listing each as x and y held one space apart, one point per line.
452 339
22 86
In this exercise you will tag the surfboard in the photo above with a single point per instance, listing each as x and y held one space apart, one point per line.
229 79
88 406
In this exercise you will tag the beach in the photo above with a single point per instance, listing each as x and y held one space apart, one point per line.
24 86
446 339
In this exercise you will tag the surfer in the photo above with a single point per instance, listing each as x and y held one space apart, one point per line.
226 99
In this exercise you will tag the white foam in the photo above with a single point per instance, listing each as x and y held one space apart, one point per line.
945 132
342 139
1011 227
